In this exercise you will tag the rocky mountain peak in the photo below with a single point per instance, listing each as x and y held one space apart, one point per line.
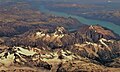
60 30
101 30
96 32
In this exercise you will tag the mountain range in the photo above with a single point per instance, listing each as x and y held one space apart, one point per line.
31 41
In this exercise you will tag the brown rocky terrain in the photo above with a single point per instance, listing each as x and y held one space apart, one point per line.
17 16
31 41
20 59
100 50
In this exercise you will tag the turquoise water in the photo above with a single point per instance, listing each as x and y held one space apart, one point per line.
109 25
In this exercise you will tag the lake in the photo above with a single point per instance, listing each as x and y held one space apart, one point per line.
115 28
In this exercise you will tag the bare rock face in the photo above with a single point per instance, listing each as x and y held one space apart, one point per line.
37 60
102 52
95 43
94 33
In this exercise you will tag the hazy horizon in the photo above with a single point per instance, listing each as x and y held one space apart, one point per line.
85 1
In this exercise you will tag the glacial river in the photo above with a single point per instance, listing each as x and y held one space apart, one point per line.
109 25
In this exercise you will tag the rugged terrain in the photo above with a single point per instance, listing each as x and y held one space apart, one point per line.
90 48
31 41
20 15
